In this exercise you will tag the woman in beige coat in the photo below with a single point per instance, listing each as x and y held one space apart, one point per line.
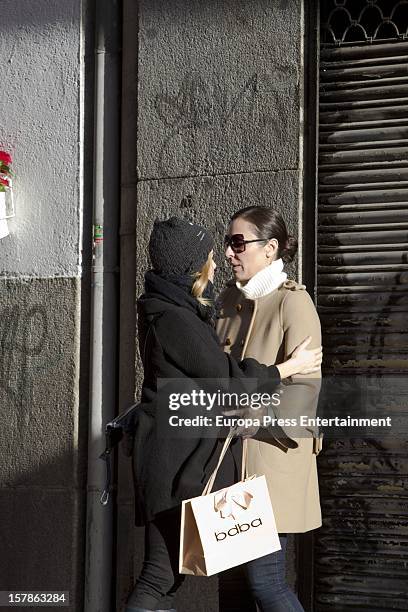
264 315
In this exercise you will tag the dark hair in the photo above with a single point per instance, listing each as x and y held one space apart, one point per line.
269 223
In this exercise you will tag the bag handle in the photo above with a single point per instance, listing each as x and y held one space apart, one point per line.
244 467
210 482
244 470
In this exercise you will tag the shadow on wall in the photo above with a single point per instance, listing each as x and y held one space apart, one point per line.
42 522
40 14
43 406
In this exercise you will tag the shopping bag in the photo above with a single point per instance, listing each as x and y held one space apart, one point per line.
229 527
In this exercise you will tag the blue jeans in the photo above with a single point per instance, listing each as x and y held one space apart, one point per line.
266 582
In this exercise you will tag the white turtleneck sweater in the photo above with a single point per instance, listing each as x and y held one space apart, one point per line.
264 281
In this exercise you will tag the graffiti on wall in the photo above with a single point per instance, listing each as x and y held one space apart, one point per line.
201 116
23 334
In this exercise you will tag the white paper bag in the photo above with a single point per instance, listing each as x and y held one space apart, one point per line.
227 528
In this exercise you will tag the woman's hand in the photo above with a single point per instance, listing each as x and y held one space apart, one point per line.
307 360
303 360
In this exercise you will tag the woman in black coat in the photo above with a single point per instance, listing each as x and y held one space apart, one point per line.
177 341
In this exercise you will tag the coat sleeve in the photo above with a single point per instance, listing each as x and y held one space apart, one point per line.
195 351
299 319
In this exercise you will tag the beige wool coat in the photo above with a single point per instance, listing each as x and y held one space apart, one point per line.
268 329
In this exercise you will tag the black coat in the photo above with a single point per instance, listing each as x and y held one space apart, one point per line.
177 341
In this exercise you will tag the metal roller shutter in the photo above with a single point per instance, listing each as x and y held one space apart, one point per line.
361 552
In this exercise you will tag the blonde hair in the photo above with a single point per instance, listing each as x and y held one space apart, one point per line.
201 281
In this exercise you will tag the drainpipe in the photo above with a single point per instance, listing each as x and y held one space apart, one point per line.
99 571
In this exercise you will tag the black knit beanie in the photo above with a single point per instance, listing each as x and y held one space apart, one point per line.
178 246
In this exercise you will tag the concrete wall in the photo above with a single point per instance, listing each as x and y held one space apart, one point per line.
40 45
43 373
211 116
218 109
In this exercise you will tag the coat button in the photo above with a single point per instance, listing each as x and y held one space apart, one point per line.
242 342
239 307
228 341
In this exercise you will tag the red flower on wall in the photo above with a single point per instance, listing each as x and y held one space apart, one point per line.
5 158
5 170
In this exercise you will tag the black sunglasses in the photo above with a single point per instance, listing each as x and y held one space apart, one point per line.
237 242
